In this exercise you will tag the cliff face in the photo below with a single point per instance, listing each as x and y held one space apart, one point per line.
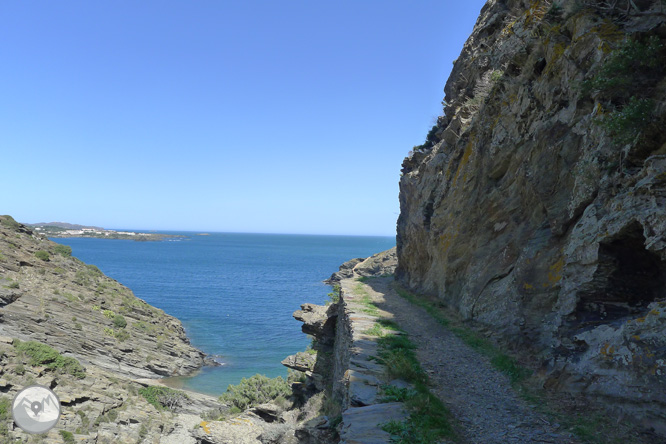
48 296
538 205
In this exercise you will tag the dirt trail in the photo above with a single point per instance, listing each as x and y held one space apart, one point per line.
480 397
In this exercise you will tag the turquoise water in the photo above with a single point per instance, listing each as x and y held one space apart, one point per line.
234 293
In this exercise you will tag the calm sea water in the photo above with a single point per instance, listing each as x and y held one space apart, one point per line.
234 293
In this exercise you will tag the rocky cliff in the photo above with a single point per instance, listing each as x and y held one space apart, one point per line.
48 296
65 325
537 204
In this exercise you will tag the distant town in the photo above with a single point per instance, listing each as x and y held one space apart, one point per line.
62 229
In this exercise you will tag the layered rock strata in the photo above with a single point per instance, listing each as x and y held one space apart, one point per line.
90 339
537 205
48 296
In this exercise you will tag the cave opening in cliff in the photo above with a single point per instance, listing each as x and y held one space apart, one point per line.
627 279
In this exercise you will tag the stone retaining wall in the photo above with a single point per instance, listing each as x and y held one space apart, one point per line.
358 377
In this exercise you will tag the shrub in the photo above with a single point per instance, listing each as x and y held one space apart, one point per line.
43 255
67 437
619 70
163 398
122 335
257 389
42 354
119 321
626 123
63 250
109 314
334 295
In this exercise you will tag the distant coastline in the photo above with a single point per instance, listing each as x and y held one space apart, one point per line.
66 230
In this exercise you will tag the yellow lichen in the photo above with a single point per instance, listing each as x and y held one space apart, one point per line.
527 286
469 149
204 426
607 350
555 273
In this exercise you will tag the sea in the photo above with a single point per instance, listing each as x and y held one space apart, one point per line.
234 293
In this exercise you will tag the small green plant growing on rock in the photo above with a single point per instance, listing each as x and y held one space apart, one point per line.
67 437
255 390
119 321
5 415
334 295
63 250
42 354
625 123
109 314
163 398
619 71
43 255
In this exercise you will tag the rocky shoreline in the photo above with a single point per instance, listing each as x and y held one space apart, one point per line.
118 347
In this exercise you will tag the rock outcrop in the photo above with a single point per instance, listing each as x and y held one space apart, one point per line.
48 296
537 205
380 264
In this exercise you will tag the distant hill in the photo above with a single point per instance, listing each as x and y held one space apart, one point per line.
63 225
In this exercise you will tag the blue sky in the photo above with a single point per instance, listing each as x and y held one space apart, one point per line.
252 116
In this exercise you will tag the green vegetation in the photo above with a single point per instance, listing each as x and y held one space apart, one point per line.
431 140
43 255
257 389
5 415
119 321
12 284
63 250
501 361
429 420
364 299
42 354
163 398
496 75
392 393
120 334
625 124
624 81
93 270
618 73
109 314
67 437
334 295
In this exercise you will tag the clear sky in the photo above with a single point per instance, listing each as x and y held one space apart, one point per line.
243 116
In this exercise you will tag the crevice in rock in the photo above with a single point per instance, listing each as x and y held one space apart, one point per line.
75 401
627 279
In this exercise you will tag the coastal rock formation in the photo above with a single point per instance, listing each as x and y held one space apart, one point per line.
48 296
66 326
537 206
380 264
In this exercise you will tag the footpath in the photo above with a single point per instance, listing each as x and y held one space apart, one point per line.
485 407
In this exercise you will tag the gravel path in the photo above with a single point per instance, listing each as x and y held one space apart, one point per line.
481 398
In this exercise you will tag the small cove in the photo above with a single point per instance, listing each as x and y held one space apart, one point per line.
234 293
